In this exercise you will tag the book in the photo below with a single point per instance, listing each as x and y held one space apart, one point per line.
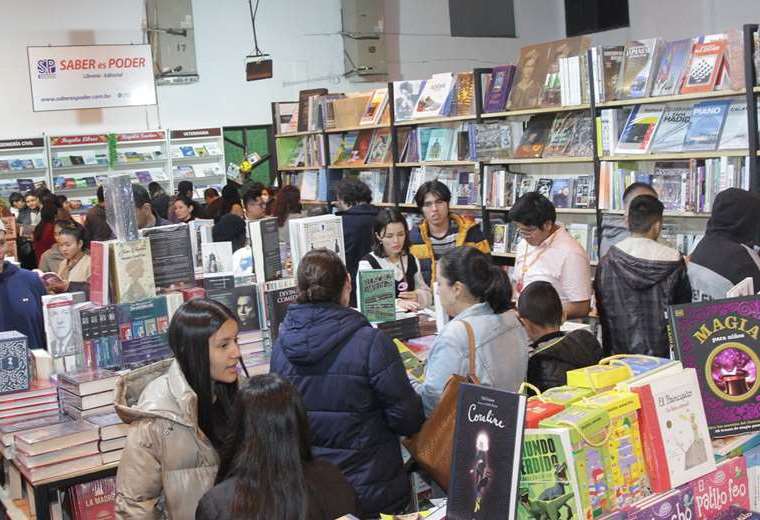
498 90
132 270
60 469
286 117
94 500
15 373
200 232
53 457
547 473
111 456
640 129
672 67
704 67
304 121
265 249
8 431
439 145
406 94
672 129
323 231
464 88
583 192
717 491
380 146
488 437
99 330
217 258
376 294
88 381
375 108
561 193
246 307
172 256
79 414
360 150
637 74
674 431
733 136
100 278
673 505
278 296
490 140
727 368
707 119
432 101
143 331
738 513
87 402
414 366
55 437
111 426
58 317
534 138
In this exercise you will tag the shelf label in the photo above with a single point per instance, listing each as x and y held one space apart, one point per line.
141 136
70 140
91 76
35 142
198 132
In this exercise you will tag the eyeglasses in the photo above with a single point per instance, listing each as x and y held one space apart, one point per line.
431 203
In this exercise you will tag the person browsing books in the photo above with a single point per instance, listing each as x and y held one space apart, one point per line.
178 411
21 294
96 223
635 283
287 206
146 215
43 237
267 468
254 204
471 288
354 386
184 209
552 352
74 270
391 251
52 258
547 252
615 227
440 231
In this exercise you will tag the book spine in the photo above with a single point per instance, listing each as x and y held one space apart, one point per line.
651 439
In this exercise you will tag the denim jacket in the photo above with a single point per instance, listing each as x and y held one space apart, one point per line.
501 353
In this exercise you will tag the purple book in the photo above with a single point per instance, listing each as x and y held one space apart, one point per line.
738 513
677 504
721 340
501 84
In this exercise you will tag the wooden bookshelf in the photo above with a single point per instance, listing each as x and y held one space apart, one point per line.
356 128
533 111
298 134
359 166
299 168
694 96
433 120
435 163
674 155
541 160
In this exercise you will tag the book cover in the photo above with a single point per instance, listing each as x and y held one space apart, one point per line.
488 439
143 331
581 142
583 189
534 137
491 140
217 258
286 117
439 146
100 337
677 504
672 67
132 270
707 119
219 288
640 129
55 436
559 136
95 500
464 104
432 99
246 307
172 256
406 94
548 481
738 513
15 374
639 59
200 232
704 67
719 340
324 231
265 249
716 492
672 128
498 91
561 193
277 301
674 431
304 121
360 150
734 133
58 316
373 112
580 233
376 294
379 150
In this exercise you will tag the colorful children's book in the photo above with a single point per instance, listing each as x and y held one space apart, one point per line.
677 504
565 395
537 410
717 491
598 377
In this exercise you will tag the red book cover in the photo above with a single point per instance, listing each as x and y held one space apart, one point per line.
99 276
704 67
537 410
94 500
654 452
727 486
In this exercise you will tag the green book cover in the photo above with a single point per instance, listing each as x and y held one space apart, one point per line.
376 294
549 486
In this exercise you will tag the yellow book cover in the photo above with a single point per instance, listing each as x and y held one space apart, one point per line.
597 377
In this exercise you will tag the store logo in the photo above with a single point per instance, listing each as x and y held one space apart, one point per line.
46 69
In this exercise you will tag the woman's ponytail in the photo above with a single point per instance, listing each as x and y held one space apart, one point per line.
475 270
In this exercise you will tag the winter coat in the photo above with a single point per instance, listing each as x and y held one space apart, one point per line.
632 296
554 354
357 396
358 228
168 463
468 233
329 495
21 293
44 240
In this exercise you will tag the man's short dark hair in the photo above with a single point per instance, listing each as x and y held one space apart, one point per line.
643 213
352 191
638 186
184 186
210 192
99 194
15 197
434 187
533 209
140 195
251 196
540 304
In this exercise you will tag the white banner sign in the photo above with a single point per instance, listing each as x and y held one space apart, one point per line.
91 76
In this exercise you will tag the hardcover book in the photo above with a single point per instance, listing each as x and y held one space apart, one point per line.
58 316
217 258
675 505
143 328
132 270
406 94
488 438
672 129
719 339
55 437
376 294
111 426
100 336
265 248
640 129
172 256
246 307
674 432
14 362
94 500
637 75
707 119
734 133
704 67
88 381
672 67
498 91
547 474
278 297
716 492
433 98
534 138
324 231
464 104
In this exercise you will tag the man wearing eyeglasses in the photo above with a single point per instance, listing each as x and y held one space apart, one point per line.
254 204
440 231
548 253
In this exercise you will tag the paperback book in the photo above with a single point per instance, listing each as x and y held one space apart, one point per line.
217 258
672 67
143 331
672 129
278 296
640 129
704 68
132 270
376 294
637 74
707 119
100 336
534 138
734 133
498 91
307 234
265 248
246 307
406 94
435 96
172 256
58 316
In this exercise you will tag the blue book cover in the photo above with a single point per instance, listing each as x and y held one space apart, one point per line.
706 122
14 362
672 67
143 331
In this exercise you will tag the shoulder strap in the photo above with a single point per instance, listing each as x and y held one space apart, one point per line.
471 372
372 261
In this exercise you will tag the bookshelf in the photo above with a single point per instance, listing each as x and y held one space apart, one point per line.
540 160
23 164
435 120
78 163
144 155
696 96
197 155
534 111
671 156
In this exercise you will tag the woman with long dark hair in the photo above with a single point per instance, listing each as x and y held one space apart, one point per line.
74 271
287 205
44 236
353 383
178 411
472 289
185 209
231 202
267 469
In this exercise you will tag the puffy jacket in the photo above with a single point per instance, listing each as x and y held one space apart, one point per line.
468 234
357 396
168 462
358 224
21 293
557 353
632 296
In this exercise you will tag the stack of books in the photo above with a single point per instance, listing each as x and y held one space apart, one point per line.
57 450
40 400
112 434
8 431
87 392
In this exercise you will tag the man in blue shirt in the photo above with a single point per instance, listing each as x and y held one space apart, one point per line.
20 300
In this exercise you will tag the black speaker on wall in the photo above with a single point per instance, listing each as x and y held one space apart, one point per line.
590 16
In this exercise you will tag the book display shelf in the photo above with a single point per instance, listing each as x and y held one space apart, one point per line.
77 165
197 155
144 156
23 164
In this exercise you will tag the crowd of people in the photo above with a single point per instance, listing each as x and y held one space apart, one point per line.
318 437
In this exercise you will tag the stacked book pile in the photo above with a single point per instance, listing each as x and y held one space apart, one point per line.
87 392
113 436
8 431
57 450
39 401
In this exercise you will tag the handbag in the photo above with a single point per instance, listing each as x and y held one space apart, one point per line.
432 446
